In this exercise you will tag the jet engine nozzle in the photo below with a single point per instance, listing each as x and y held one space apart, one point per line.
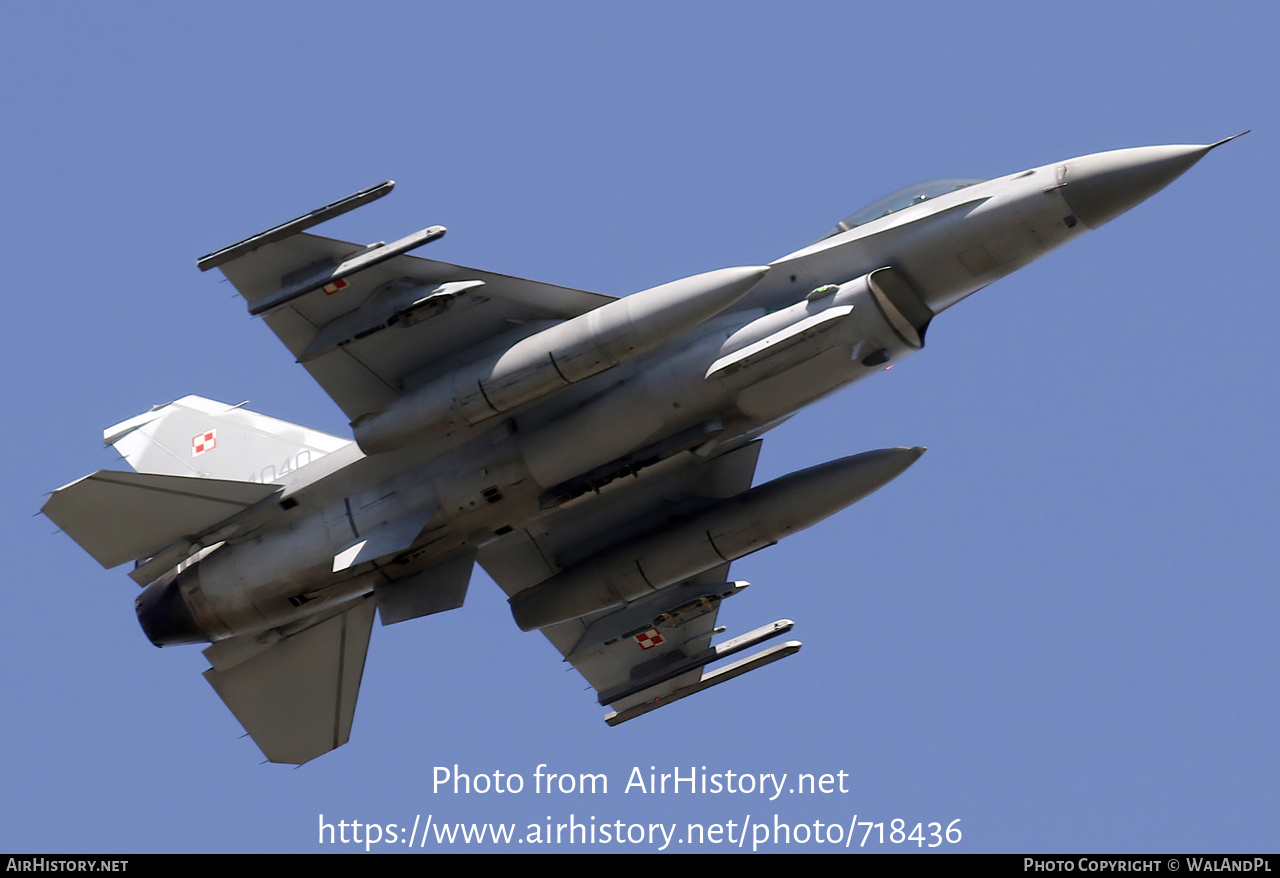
165 617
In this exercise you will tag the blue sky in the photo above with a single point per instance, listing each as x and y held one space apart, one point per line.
1059 627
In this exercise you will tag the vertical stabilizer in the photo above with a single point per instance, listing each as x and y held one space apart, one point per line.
200 437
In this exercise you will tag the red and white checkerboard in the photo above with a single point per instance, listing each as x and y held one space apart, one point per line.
649 639
206 441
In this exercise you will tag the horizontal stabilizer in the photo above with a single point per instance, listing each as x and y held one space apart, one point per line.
119 516
297 697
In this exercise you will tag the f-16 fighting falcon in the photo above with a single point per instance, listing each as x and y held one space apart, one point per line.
594 455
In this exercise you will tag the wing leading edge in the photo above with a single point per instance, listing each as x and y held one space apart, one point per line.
371 322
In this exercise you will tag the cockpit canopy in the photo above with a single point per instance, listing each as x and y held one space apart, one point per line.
905 197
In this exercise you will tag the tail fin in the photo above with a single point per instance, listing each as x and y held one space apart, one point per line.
194 436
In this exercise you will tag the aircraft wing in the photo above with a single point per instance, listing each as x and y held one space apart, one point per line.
654 650
370 322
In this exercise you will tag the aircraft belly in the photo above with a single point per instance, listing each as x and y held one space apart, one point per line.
781 394
652 404
600 431
249 584
495 479
742 374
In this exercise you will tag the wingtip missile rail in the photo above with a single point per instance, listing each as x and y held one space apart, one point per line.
294 226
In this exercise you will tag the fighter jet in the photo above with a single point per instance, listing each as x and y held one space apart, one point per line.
594 455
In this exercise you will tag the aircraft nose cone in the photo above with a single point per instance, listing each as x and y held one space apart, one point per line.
1102 186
